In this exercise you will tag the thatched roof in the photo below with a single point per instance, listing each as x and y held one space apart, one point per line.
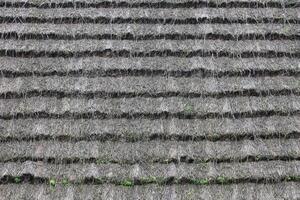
288 190
149 99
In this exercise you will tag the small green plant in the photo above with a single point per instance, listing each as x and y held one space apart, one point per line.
65 181
17 179
288 178
221 179
101 161
189 109
52 182
292 178
127 183
150 179
202 181
99 181
166 161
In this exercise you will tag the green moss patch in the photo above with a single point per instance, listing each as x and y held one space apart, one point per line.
127 183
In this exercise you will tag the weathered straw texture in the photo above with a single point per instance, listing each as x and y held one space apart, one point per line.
149 99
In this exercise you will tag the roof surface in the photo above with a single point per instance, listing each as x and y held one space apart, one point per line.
149 99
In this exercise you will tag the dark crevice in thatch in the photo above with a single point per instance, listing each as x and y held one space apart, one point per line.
203 73
118 20
102 94
129 36
161 115
162 4
182 159
164 53
153 137
129 182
